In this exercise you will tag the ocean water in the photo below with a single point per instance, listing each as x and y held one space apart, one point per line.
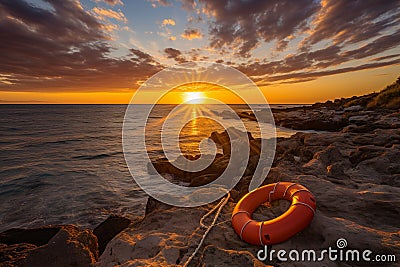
64 164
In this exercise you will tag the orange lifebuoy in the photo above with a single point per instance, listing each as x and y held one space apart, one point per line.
296 218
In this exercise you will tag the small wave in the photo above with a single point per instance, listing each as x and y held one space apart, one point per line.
98 156
156 117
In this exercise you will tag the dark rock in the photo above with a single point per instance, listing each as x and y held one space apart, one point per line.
305 119
38 236
255 147
252 165
12 254
69 247
153 204
362 153
217 167
112 226
164 166
64 245
247 115
359 119
220 138
329 155
202 180
223 137
241 188
353 108
336 170
306 155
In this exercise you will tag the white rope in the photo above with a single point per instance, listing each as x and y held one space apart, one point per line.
220 205
208 213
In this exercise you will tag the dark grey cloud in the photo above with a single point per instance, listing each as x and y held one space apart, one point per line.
386 57
243 24
63 49
175 54
345 21
347 32
350 30
310 65
308 76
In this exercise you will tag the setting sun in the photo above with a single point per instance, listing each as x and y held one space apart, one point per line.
194 97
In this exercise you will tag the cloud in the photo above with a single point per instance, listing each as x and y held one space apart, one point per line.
63 49
330 34
308 76
350 22
157 3
385 57
242 25
188 5
103 13
191 34
175 54
314 64
168 22
111 2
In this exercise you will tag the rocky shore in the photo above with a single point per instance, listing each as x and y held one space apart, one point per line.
351 166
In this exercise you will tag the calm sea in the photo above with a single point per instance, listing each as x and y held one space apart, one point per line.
64 164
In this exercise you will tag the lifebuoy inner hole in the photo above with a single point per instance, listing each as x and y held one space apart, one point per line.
276 209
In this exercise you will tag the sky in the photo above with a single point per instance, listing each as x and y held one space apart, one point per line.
101 51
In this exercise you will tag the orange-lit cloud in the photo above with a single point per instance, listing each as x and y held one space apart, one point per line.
168 22
157 3
68 50
111 2
190 34
103 13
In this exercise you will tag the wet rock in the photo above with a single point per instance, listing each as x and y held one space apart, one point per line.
362 153
10 255
153 204
311 119
247 115
106 231
68 246
353 108
202 180
329 155
336 170
37 236
223 137
359 120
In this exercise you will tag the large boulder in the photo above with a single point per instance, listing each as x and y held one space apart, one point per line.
112 226
59 246
37 236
